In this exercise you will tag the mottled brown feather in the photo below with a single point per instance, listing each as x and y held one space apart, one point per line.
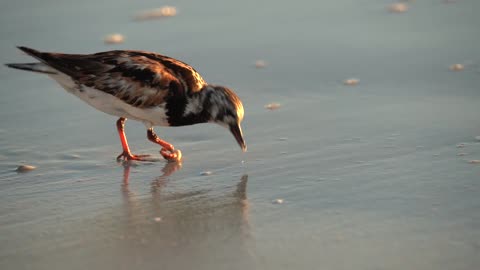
139 78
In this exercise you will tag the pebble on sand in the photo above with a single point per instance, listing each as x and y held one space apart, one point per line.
260 64
25 168
351 81
278 201
475 161
272 106
398 8
165 11
114 39
457 67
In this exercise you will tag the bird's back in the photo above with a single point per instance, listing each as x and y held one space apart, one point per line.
141 79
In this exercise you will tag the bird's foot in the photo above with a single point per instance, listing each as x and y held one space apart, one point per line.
171 154
126 156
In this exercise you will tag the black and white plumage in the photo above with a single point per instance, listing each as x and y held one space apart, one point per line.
149 87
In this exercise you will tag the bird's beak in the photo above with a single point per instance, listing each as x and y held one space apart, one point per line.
237 133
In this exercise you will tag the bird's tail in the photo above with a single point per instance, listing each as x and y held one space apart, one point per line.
35 67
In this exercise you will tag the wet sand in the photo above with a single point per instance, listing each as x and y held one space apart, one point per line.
370 174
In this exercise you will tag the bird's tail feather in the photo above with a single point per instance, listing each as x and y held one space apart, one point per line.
35 67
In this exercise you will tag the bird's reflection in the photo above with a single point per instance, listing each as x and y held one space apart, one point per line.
167 170
185 227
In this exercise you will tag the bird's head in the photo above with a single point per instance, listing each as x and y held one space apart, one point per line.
226 109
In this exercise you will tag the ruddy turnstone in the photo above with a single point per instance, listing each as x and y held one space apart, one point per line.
152 88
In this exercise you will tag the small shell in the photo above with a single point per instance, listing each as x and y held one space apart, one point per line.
25 168
71 156
272 106
166 11
157 219
114 39
260 64
398 8
457 67
351 81
278 201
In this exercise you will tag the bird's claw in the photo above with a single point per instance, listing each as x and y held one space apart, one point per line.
129 156
168 153
171 155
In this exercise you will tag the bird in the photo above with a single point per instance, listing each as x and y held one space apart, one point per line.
144 86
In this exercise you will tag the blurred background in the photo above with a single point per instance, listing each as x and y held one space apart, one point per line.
361 123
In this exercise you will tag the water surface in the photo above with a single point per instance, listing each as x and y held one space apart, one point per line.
370 175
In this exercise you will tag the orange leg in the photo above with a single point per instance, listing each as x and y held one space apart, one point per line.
167 149
126 154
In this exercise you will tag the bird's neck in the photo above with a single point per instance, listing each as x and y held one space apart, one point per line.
193 109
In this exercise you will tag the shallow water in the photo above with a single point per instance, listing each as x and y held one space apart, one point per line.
369 174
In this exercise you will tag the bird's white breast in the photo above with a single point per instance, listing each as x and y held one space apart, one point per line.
112 105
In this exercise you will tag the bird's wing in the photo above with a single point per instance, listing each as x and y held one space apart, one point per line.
139 78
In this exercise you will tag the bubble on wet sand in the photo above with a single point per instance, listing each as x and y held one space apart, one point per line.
457 67
114 39
278 201
25 168
165 11
397 8
272 106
